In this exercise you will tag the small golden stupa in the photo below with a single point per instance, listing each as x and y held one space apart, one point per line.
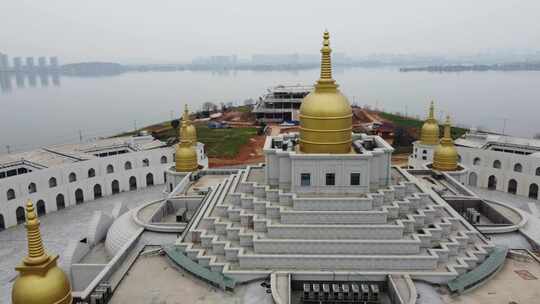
186 157
445 157
40 280
188 131
325 113
430 129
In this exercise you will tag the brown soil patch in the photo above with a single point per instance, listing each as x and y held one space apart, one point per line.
249 154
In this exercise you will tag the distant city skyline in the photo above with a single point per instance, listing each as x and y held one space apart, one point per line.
178 32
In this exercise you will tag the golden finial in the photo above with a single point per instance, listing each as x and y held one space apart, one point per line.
188 131
185 117
36 253
40 280
326 81
445 157
432 110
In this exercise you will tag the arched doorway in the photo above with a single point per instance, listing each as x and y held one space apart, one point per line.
97 191
473 179
2 223
533 191
149 179
132 183
79 196
115 186
512 186
492 182
60 202
40 206
19 214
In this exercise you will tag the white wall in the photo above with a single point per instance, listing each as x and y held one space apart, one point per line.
41 178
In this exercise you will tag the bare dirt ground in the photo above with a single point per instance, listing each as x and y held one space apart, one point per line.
249 154
400 159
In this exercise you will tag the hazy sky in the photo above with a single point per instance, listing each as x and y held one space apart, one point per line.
177 30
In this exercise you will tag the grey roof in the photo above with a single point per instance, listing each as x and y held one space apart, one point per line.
68 153
484 140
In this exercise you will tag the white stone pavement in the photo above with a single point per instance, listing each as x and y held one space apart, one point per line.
529 206
58 228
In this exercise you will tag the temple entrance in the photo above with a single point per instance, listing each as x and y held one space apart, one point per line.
40 206
97 191
60 202
533 191
132 183
149 179
19 214
115 186
473 179
492 182
79 196
512 186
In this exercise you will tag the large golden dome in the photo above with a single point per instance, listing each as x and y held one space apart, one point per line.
325 113
445 157
186 157
40 280
430 129
188 131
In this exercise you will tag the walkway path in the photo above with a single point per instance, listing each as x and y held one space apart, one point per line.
58 229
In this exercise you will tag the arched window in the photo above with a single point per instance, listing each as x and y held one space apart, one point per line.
19 214
477 161
72 177
512 186
145 162
40 206
91 172
10 194
110 169
538 171
164 159
149 179
79 196
97 191
52 182
533 191
32 188
497 164
518 167
459 158
2 223
127 165
60 202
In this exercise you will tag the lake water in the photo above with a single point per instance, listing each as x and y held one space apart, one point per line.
47 110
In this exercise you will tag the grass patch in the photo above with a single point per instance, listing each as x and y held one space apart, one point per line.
224 142
407 122
218 142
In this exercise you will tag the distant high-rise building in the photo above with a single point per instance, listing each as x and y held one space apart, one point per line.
4 62
30 63
17 63
42 62
53 62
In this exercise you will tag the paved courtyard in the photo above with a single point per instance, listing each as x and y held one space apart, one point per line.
58 228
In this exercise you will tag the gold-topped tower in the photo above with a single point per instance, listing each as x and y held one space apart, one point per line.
325 113
187 129
40 280
445 157
186 157
430 129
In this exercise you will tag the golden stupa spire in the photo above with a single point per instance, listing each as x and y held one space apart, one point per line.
188 132
445 157
40 281
325 113
429 134
36 252
326 82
